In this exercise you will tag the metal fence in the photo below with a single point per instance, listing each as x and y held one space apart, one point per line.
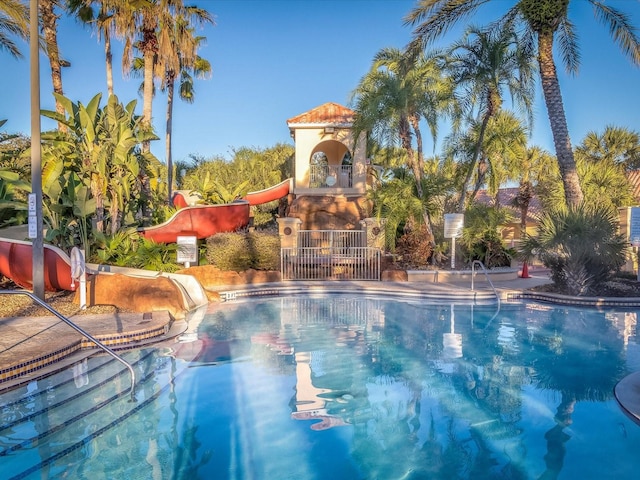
331 238
330 263
330 176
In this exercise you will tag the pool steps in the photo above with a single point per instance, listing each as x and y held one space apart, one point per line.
68 404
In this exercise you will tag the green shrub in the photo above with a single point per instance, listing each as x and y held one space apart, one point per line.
581 246
259 250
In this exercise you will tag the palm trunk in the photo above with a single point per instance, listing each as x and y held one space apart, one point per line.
108 56
170 85
147 99
476 155
555 110
417 165
50 29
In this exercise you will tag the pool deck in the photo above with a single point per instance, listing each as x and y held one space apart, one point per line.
22 359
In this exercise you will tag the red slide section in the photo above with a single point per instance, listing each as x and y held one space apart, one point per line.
201 221
16 263
266 195
270 194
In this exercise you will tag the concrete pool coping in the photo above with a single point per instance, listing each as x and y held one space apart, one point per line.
22 362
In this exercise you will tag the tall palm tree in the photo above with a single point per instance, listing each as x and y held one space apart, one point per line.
151 20
397 93
482 64
109 18
49 20
14 21
182 62
543 22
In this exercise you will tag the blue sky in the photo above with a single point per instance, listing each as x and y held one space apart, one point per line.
274 59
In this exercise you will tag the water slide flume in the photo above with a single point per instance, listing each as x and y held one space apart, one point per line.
203 221
16 263
270 194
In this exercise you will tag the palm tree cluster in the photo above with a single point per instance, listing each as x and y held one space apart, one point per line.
466 85
160 43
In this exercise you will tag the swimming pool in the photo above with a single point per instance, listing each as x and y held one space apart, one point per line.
344 387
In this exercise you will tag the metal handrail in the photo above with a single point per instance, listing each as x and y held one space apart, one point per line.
81 332
486 275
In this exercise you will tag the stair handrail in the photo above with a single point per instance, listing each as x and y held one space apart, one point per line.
78 329
486 274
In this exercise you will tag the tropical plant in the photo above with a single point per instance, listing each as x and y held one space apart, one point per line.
543 22
616 145
481 237
504 140
128 248
580 245
14 21
396 201
399 91
13 208
533 164
482 64
99 151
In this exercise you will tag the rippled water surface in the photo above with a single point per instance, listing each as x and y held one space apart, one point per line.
348 387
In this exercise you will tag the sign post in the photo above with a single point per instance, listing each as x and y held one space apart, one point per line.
187 250
453 224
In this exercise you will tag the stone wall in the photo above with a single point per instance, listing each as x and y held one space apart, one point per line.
330 212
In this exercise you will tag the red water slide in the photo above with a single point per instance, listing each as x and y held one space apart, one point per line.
16 263
270 194
201 221
282 189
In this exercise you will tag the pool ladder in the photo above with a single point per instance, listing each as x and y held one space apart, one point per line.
98 343
486 275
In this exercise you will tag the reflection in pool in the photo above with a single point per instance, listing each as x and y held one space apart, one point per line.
358 387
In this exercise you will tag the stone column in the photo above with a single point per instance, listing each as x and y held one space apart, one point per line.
374 232
288 228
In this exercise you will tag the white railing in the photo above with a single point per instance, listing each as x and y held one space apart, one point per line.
330 263
330 176
332 238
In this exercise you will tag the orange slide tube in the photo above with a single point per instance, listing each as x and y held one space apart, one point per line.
270 194
16 263
201 221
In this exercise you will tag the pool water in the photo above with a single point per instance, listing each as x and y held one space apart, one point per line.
353 387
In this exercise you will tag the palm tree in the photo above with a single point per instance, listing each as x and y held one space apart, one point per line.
616 144
533 164
543 21
49 19
505 138
14 20
482 64
394 96
179 63
109 18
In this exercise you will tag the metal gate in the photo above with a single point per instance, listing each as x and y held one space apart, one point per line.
330 255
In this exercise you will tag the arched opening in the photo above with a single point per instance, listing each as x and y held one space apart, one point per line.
330 165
